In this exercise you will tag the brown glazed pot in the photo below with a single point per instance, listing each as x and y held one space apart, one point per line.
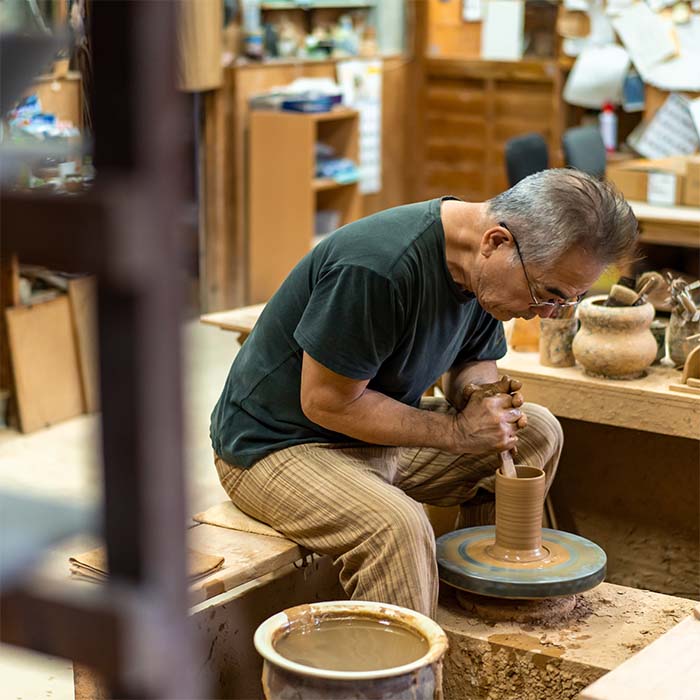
283 679
614 342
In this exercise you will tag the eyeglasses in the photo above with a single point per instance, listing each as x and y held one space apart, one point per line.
536 303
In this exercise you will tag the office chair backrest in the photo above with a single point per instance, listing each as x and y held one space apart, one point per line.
584 149
525 155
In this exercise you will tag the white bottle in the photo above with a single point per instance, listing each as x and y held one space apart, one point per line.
607 123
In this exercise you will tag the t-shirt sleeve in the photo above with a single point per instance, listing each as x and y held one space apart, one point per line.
486 342
350 324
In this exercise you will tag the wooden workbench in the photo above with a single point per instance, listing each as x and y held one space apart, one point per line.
641 404
239 320
668 225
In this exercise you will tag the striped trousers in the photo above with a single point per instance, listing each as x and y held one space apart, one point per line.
361 504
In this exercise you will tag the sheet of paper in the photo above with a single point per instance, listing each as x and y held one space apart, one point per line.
580 5
681 72
615 7
472 10
694 108
361 82
502 30
597 77
671 132
646 36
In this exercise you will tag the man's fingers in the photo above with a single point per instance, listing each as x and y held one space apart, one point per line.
515 385
522 422
518 400
514 415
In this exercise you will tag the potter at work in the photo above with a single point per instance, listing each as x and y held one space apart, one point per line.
322 431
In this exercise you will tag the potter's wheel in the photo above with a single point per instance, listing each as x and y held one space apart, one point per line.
573 564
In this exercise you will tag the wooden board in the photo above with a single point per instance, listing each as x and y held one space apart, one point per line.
44 363
642 404
83 301
247 556
199 42
668 669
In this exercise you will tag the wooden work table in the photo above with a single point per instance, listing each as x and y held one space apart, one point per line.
668 225
641 404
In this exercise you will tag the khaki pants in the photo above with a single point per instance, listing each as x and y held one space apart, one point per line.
362 504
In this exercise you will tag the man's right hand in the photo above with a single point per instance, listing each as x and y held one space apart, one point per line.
487 423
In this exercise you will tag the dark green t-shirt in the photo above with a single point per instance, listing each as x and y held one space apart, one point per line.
373 301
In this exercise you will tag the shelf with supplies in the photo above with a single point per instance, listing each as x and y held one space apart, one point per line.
286 201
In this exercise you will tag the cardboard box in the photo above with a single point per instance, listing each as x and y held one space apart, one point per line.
663 181
691 191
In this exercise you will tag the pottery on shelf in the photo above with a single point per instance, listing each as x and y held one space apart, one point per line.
614 342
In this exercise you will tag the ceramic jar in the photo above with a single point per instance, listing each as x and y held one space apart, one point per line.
614 342
677 334
284 679
556 336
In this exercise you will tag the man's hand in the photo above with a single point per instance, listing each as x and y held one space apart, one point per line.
487 424
505 385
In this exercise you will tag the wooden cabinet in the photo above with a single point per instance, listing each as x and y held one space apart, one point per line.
284 193
471 109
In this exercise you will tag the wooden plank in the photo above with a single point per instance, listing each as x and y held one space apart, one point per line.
222 244
239 320
82 295
247 556
9 296
667 669
641 404
44 363
527 69
281 198
199 44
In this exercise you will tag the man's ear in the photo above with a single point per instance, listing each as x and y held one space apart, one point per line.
493 239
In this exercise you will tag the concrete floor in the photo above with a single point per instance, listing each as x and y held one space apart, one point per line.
62 462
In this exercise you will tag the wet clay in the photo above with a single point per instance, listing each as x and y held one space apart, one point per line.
352 644
519 504
522 611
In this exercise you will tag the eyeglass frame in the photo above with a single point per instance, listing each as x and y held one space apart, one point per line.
536 303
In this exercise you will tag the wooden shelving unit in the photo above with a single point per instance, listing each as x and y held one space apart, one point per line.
284 193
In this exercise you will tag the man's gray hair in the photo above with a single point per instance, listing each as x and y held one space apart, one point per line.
558 209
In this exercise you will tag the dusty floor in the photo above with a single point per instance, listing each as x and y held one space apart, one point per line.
61 461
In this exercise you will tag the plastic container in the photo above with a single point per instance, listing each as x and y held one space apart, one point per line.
607 121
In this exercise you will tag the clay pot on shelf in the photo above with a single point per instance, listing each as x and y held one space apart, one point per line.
614 342
677 334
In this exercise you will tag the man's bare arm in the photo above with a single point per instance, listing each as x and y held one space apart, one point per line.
347 406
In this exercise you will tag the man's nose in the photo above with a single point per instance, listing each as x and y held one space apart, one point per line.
547 311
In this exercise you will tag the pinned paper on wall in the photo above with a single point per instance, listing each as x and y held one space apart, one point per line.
597 77
681 72
472 10
502 30
615 7
600 31
694 107
647 37
361 82
671 132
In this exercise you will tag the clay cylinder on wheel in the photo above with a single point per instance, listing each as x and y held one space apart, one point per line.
519 505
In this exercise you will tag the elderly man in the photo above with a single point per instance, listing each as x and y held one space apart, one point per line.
320 430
